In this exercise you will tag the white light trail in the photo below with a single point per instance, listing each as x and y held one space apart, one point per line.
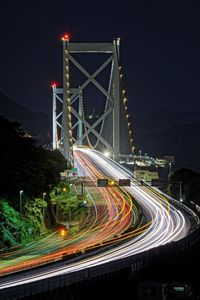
167 224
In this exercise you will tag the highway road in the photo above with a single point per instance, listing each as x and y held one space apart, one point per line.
167 222
110 213
164 222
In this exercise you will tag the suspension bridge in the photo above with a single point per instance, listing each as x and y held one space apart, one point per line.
83 134
111 131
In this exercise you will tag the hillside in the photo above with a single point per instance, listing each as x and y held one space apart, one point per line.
37 124
157 133
182 141
161 120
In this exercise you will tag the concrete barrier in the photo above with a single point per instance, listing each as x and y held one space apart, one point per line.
135 263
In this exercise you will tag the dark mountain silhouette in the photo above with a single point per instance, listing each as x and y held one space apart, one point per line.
157 133
161 120
182 141
37 124
166 132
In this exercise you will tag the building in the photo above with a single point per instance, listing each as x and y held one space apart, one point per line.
145 175
152 290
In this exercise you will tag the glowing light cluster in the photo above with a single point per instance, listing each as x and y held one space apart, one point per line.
54 85
63 232
124 97
107 153
166 224
65 37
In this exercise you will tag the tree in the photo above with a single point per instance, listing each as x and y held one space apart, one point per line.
190 183
25 165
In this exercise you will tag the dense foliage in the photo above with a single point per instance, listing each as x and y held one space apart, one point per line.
14 229
24 165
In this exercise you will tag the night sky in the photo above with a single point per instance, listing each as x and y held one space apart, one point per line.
160 48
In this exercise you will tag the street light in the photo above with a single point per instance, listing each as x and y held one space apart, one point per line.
180 190
44 198
20 211
70 213
107 153
170 168
20 202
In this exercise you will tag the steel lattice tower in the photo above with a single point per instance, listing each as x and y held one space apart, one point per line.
63 136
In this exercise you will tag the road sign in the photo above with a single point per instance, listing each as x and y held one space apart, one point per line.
74 170
124 182
102 182
158 182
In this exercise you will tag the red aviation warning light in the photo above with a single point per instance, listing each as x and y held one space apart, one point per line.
54 85
65 37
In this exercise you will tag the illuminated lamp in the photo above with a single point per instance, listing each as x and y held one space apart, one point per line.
107 153
63 232
112 182
65 37
54 85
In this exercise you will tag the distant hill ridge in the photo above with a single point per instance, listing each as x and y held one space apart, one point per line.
161 120
157 133
38 124
182 141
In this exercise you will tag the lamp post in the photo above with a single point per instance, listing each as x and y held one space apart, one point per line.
84 175
20 211
20 202
170 168
44 198
180 192
70 213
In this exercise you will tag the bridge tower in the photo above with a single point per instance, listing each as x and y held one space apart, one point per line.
64 136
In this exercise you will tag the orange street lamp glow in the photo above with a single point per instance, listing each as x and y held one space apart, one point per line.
63 232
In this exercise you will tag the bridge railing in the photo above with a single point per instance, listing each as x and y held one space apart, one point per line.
177 203
133 263
182 205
